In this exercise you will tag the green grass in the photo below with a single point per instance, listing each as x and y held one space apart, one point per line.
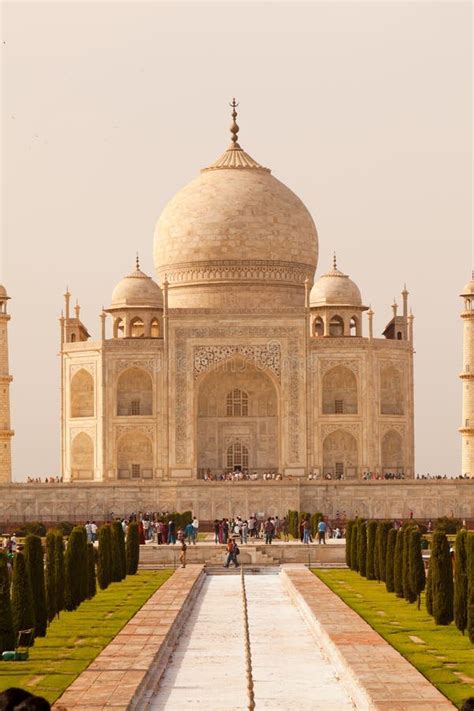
442 655
75 639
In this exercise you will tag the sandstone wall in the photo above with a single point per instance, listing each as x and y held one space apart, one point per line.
377 499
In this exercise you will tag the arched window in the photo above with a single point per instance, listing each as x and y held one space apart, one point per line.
354 326
237 403
399 336
137 328
155 328
237 457
391 392
135 456
339 392
82 457
336 326
392 453
119 328
318 328
73 337
134 393
82 394
340 455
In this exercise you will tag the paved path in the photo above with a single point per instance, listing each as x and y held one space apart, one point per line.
207 670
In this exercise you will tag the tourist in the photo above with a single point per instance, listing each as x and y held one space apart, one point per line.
171 532
225 531
251 525
285 530
322 532
189 532
93 531
182 553
244 532
195 529
88 531
269 529
306 531
217 528
232 553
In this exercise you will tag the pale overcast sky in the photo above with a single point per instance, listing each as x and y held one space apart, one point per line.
363 109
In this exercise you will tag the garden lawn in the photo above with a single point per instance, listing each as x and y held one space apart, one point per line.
441 653
75 639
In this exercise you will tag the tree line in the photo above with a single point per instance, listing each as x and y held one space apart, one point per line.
44 582
378 551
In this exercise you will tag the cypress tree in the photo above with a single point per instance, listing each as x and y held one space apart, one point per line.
442 579
91 586
377 571
118 552
7 634
416 566
429 589
470 585
104 571
50 576
461 581
355 545
385 528
133 548
83 572
35 566
370 557
22 600
59 572
74 570
390 560
398 564
362 548
349 527
408 593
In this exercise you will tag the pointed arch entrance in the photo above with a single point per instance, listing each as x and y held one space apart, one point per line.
237 411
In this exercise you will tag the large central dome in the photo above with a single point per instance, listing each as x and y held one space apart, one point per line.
235 237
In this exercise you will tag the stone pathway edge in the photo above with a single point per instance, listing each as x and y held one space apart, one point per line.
126 673
375 675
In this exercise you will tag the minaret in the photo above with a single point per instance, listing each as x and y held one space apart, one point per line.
5 379
467 378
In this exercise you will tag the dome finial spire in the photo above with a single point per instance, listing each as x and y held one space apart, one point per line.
334 261
137 262
234 129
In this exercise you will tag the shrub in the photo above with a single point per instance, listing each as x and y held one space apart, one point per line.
398 564
83 571
390 560
349 527
370 557
408 593
91 586
470 585
50 581
59 572
132 548
65 527
461 581
416 566
74 563
362 548
22 600
7 634
429 590
441 579
446 524
35 566
355 545
36 528
104 570
381 549
118 552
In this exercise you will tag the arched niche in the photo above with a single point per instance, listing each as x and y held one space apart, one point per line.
339 391
336 326
82 394
135 456
134 393
340 455
392 452
82 457
392 395
154 328
137 328
318 327
254 394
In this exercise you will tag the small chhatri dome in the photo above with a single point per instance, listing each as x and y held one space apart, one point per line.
469 287
335 289
137 289
3 292
235 237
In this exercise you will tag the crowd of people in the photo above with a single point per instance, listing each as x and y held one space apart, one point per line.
45 480
240 475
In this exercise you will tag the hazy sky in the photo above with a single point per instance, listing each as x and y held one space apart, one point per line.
363 109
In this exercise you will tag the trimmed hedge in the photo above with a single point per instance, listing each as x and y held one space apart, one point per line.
104 559
398 564
390 560
470 584
59 571
349 528
416 566
35 565
370 558
441 579
461 581
75 566
50 577
362 548
91 584
22 600
7 634
132 548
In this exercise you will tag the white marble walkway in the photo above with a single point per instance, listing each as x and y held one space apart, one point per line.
207 670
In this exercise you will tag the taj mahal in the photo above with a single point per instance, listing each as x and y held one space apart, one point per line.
237 357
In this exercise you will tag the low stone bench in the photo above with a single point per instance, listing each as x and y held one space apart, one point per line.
126 672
